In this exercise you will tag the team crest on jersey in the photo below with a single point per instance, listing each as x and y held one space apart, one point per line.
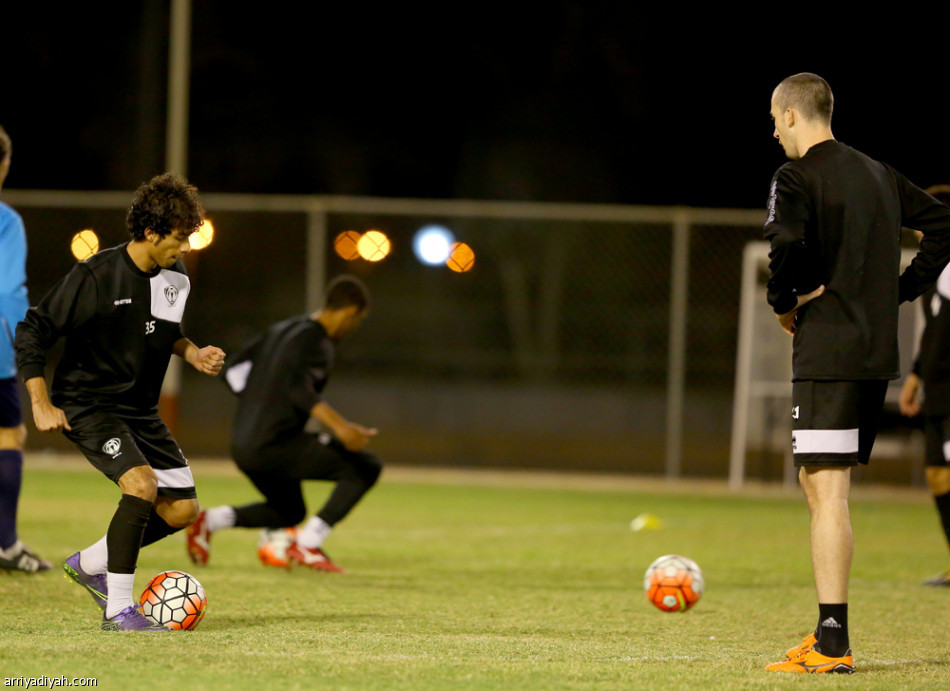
113 447
171 294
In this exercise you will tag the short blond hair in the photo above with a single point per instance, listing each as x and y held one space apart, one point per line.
809 94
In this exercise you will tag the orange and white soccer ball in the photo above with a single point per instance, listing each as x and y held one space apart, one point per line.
272 546
673 583
175 600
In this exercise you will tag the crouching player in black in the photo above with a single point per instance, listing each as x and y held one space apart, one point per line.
279 378
120 312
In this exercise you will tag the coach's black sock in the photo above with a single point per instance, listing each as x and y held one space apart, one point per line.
124 537
943 508
156 529
833 630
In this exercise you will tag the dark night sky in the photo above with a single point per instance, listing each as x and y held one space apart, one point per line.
570 101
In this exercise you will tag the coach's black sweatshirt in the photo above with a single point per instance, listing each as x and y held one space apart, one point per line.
835 219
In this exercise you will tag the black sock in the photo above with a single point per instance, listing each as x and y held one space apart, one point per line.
943 508
833 630
11 477
124 537
156 529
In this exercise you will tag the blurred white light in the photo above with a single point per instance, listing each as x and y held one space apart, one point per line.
432 244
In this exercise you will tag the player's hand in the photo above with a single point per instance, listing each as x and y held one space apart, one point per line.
789 320
209 360
354 437
908 402
49 418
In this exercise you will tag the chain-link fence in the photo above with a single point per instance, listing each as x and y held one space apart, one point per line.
584 337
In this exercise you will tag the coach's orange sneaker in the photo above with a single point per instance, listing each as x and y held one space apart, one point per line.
813 662
808 642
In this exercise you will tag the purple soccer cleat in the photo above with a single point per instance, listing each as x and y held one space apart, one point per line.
130 619
94 583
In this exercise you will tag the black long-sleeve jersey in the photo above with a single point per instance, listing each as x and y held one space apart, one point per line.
279 377
835 219
932 363
120 325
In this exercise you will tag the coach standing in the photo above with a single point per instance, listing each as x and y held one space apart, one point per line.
834 223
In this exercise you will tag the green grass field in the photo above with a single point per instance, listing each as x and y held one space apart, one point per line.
490 581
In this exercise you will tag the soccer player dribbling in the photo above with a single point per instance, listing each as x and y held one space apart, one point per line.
834 224
120 313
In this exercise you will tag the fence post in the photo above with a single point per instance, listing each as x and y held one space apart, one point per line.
676 367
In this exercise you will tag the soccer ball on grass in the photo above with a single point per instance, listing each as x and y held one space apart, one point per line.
673 583
175 600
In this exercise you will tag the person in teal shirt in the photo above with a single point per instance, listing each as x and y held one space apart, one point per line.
14 555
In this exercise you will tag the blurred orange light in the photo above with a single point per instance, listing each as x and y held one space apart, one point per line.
373 245
461 257
84 244
203 236
345 245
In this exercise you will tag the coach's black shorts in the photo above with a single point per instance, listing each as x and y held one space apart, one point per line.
937 441
834 423
11 414
116 443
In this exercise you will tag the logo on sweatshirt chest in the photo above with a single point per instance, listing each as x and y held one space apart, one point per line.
169 294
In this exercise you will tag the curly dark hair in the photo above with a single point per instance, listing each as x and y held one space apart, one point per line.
165 203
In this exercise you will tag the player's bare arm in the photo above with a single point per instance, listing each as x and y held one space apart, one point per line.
353 436
908 401
48 418
208 360
787 320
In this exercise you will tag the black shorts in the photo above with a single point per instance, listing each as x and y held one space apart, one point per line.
115 444
307 457
834 423
11 415
937 441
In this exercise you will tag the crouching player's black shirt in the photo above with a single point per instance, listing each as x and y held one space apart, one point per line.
279 378
120 325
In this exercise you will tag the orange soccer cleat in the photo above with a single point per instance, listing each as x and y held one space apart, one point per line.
273 544
198 539
808 642
810 661
316 559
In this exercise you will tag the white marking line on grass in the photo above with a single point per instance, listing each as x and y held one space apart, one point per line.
539 479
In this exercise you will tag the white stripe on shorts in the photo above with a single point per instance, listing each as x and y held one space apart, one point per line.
946 451
825 440
177 478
